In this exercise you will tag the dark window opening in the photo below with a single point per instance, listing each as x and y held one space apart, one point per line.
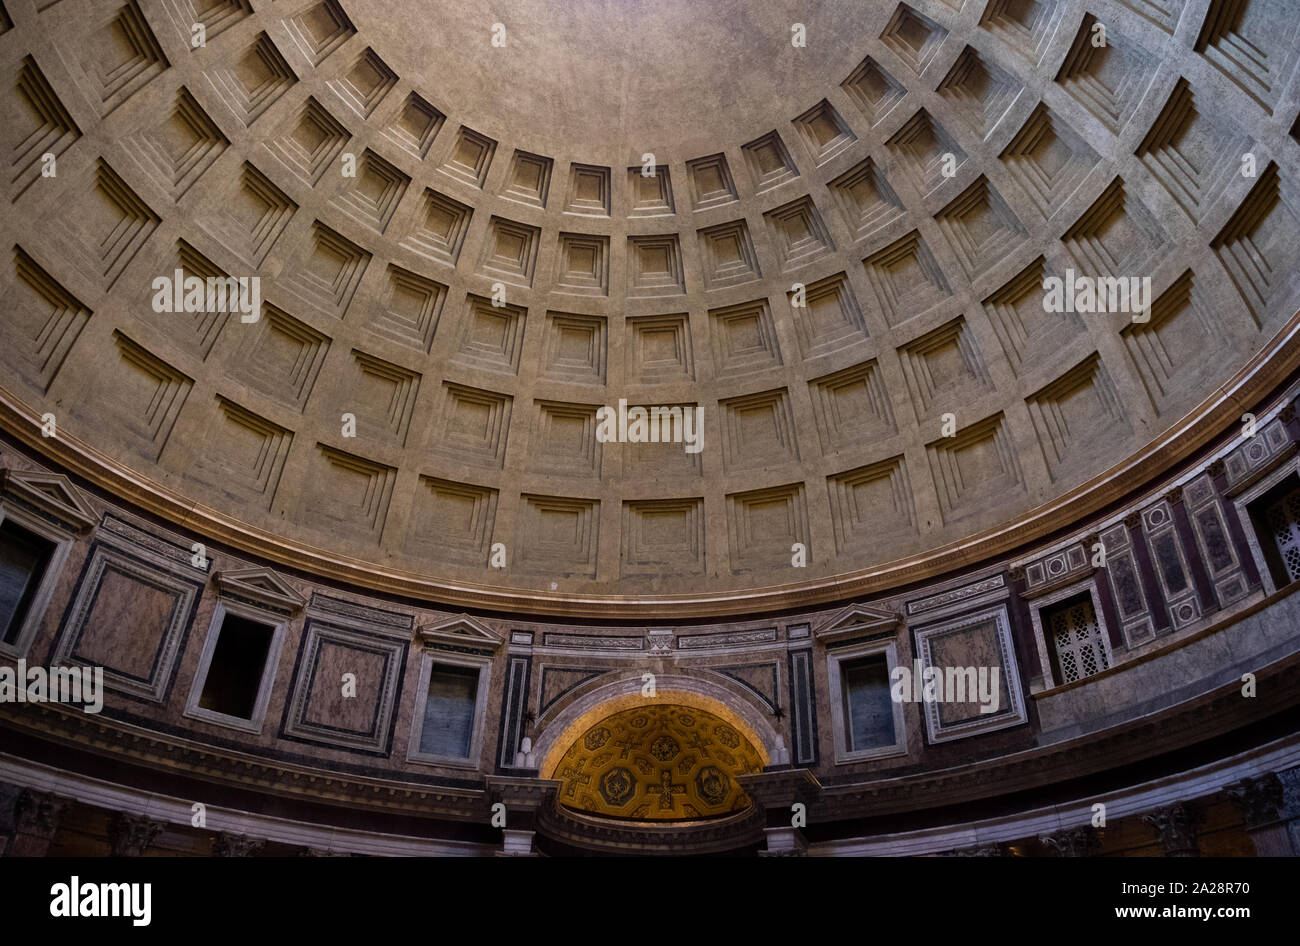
235 671
449 712
868 707
1276 518
24 556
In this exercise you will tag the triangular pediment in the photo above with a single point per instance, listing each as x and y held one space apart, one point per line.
53 494
261 586
856 620
459 631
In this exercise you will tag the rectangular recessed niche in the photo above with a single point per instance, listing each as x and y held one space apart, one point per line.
254 82
510 252
473 426
976 470
1075 416
711 182
914 37
744 338
1110 79
769 162
471 156
39 125
824 132
728 256
409 311
873 90
371 197
758 431
415 126
763 525
663 537
655 266
492 336
311 146
1193 155
588 191
565 440
41 321
926 151
652 194
866 199
452 522
559 536
365 84
660 349
575 348
830 319
582 264
851 407
529 181
799 233
944 369
868 501
907 279
440 229
1049 159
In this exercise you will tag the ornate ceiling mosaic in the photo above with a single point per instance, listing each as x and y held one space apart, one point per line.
660 762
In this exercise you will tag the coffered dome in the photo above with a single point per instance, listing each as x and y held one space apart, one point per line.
830 228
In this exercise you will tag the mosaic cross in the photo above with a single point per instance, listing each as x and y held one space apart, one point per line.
626 744
574 777
695 741
666 789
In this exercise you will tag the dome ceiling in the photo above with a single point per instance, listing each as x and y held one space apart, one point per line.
913 177
605 81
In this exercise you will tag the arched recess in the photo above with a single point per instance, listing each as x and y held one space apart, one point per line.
620 690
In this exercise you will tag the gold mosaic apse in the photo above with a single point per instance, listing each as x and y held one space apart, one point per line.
661 762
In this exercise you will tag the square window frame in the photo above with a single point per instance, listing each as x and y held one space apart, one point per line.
63 542
839 725
1241 503
1016 714
279 628
429 660
1036 606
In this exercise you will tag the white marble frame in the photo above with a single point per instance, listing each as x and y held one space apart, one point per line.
444 658
839 727
1015 713
1241 501
279 627
1036 606
63 541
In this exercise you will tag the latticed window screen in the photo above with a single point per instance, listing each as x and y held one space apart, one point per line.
1076 638
1283 518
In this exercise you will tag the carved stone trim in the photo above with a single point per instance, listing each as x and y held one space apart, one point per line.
235 845
1083 841
131 835
1175 826
39 813
1260 799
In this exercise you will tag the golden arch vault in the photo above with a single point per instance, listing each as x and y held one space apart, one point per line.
658 762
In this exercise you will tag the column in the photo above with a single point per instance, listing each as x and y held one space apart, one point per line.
131 835
1175 826
1261 801
235 845
1082 841
36 819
